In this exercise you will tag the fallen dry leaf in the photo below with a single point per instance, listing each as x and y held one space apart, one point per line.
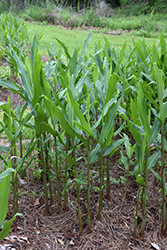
126 224
60 241
37 231
36 202
155 246
24 238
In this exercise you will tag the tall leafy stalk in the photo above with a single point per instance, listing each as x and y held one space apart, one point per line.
163 168
162 116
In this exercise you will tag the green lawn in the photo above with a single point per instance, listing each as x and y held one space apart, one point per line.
74 37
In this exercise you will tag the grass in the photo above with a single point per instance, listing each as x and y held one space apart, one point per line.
76 37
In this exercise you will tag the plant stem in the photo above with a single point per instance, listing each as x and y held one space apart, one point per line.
163 227
44 179
78 196
14 182
127 177
144 199
21 145
58 180
155 178
101 185
39 153
108 179
137 211
48 166
66 171
88 194
143 190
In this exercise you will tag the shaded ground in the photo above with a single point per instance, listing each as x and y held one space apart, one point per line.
113 231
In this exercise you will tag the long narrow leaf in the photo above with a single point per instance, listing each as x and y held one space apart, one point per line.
112 147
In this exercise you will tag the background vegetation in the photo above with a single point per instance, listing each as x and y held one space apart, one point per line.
137 18
135 6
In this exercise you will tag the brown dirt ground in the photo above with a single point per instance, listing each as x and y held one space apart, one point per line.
114 230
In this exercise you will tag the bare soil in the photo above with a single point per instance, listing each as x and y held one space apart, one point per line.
114 231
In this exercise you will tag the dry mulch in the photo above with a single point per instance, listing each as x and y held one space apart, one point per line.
113 231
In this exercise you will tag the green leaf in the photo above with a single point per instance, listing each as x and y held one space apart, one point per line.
140 180
37 79
133 109
162 43
136 134
4 149
112 147
109 138
7 172
30 148
78 112
25 79
149 96
129 148
69 159
119 129
95 74
88 109
86 42
81 127
161 86
41 117
122 52
55 112
8 133
109 120
156 175
73 62
112 87
109 104
155 130
47 127
34 50
4 194
64 47
124 161
153 159
142 112
23 170
164 107
140 155
80 182
7 226
94 154
14 87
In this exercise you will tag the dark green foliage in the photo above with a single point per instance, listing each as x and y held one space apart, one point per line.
143 6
